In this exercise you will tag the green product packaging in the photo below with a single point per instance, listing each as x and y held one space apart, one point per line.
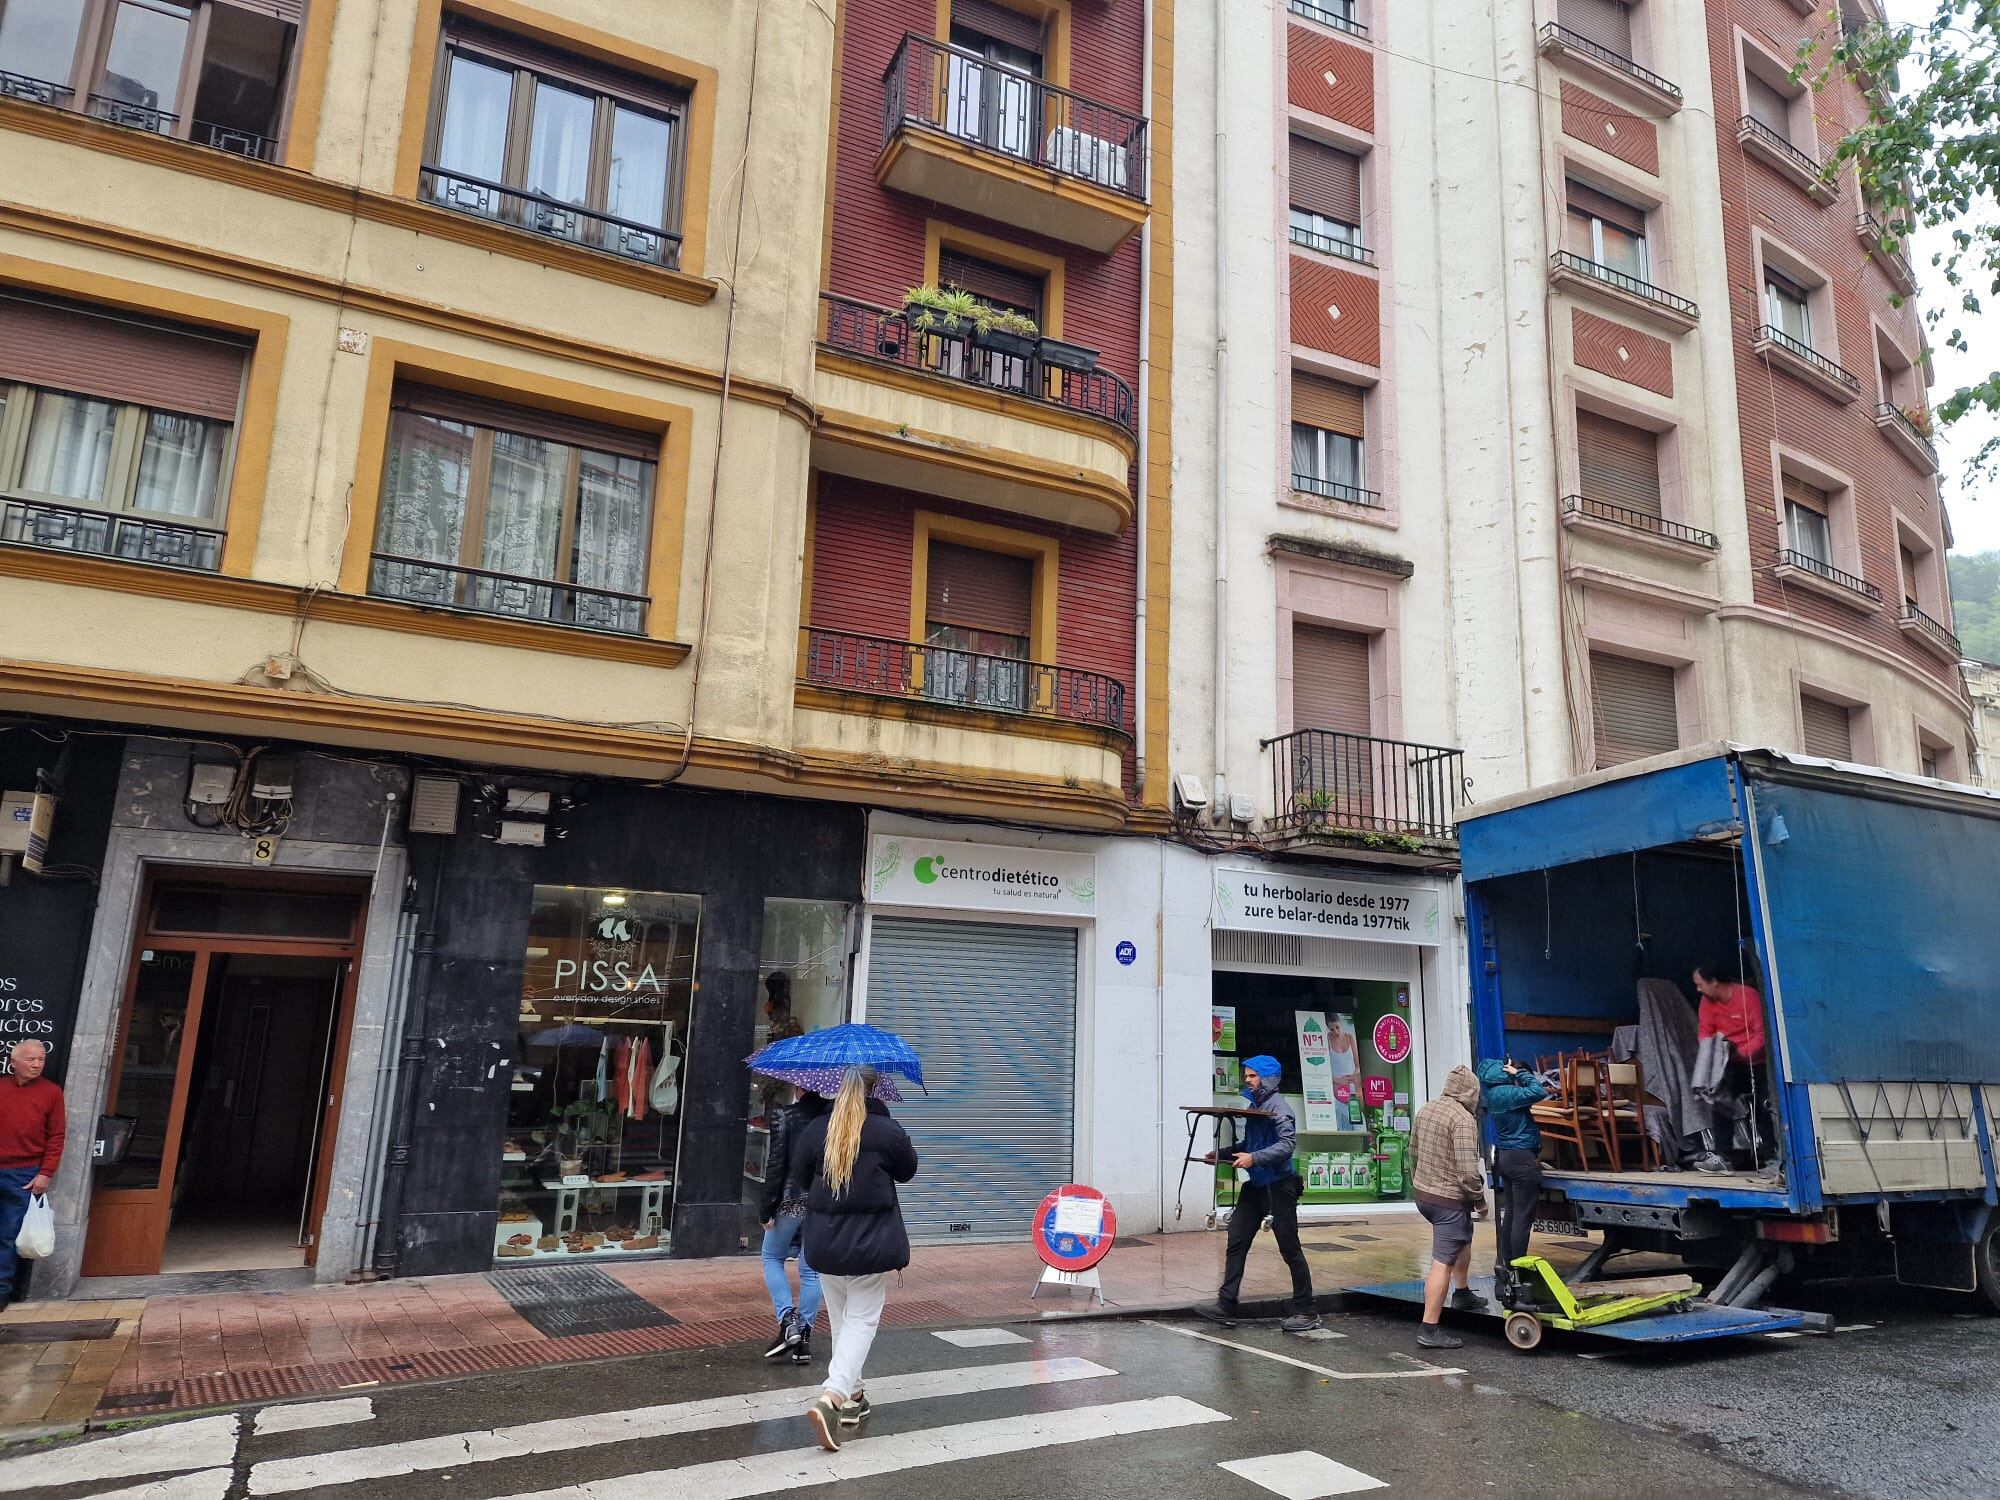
1361 1172
1389 1173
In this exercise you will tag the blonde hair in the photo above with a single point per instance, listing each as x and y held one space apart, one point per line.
843 1131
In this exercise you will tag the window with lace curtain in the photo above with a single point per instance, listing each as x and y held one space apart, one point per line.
116 433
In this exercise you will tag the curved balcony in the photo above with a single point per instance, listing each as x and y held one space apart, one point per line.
961 130
949 678
940 413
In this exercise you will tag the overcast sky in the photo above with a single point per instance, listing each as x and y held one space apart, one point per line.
1974 506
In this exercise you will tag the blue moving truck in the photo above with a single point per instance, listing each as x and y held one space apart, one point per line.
1869 904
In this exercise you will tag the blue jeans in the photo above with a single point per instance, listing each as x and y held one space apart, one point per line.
779 1240
14 1207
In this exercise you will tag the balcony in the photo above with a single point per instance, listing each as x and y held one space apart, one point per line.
72 528
481 591
1823 578
962 131
1326 244
141 117
1316 488
1611 70
1886 249
1581 275
1909 439
937 412
1806 363
1350 792
535 213
1776 152
1929 633
35 90
1338 14
1623 523
947 678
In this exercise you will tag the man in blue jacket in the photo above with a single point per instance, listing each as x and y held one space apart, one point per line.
1273 1192
1510 1094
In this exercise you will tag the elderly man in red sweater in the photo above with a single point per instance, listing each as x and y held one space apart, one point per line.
31 1146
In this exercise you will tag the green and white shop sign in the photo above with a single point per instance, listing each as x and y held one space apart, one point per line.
905 870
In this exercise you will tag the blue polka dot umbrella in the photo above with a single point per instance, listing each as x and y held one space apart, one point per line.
819 1060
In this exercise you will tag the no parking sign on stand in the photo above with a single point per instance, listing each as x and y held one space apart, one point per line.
1074 1230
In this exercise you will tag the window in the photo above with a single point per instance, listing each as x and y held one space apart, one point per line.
557 146
1327 433
217 72
979 611
1618 464
990 98
514 513
1808 530
1634 709
1605 22
1827 729
116 434
1927 760
1332 762
1912 596
1607 231
1768 105
1007 288
1788 307
1326 198
1899 382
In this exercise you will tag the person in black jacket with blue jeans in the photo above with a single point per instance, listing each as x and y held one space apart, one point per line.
1270 1140
783 1214
847 1166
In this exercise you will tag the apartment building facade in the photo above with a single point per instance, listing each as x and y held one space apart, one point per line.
481 533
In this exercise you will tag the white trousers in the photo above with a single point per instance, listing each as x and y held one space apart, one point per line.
853 1312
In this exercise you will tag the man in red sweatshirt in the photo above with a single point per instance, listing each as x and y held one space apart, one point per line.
1732 1009
31 1146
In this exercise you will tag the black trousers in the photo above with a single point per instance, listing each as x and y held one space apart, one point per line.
1520 1174
1280 1201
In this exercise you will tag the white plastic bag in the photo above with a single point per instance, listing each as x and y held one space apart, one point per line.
38 1230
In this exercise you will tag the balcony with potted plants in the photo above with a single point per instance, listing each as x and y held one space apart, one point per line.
958 129
1908 430
1352 795
948 395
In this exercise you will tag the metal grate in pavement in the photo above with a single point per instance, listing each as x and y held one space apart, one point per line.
561 1301
1365 1239
58 1333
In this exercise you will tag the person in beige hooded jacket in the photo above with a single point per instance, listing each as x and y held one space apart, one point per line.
1448 1180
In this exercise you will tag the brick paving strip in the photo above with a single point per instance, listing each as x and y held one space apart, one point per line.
179 1353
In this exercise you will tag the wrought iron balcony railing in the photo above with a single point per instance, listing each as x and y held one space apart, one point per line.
1886 247
536 213
931 85
233 140
1637 520
134 116
1826 367
888 336
1887 413
1583 265
1935 629
1327 244
482 591
1749 128
34 90
1338 14
1805 562
885 668
1575 41
1327 489
1325 780
74 528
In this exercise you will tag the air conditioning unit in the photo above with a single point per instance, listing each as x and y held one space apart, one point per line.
1087 156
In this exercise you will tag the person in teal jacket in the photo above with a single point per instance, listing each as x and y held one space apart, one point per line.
1510 1094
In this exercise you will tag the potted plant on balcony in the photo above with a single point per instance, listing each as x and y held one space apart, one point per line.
1004 331
1919 418
948 314
1063 355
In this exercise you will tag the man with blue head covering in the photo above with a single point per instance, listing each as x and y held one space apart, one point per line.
1270 1138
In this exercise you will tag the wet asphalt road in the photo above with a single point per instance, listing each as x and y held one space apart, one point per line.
1910 1407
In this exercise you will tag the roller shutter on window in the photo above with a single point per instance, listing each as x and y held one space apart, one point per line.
1829 728
1330 679
555 427
979 590
1002 286
998 22
991 1010
1909 562
1595 204
116 358
1617 463
1811 496
1325 180
1330 405
1605 22
1633 708
293 11
1766 105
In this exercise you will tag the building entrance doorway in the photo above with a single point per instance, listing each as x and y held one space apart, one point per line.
229 1074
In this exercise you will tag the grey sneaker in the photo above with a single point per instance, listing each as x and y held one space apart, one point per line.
856 1411
1711 1163
1465 1299
824 1414
1430 1336
1215 1312
1304 1322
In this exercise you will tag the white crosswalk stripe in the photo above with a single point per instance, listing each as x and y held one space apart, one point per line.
199 1444
774 1473
561 1434
302 1416
1304 1475
205 1484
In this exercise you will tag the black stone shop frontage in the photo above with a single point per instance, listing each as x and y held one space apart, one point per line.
578 1014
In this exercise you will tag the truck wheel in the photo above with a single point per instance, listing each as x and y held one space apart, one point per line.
1987 1256
1524 1330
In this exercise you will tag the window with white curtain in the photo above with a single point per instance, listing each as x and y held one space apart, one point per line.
1326 463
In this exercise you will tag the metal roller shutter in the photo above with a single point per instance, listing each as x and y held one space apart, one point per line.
293 11
998 22
979 590
1605 22
71 348
1768 105
1329 405
1829 728
999 286
1618 463
991 1010
1811 496
1329 679
1594 204
1634 708
1326 180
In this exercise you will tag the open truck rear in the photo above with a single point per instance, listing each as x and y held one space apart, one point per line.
1871 904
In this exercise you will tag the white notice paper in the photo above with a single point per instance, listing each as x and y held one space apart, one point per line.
1080 1216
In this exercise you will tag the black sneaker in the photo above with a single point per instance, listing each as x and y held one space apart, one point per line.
1215 1312
1465 1299
1304 1322
785 1339
802 1351
1430 1336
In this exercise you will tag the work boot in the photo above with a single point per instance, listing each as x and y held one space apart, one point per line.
784 1340
1304 1322
1216 1312
1465 1299
1430 1336
802 1351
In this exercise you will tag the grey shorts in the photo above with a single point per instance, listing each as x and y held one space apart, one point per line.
1451 1231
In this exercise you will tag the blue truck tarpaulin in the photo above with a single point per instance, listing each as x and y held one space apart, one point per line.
1675 804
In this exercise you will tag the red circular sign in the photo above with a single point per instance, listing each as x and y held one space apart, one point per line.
1392 1039
1074 1228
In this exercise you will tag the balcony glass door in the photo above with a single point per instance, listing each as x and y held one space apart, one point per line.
141 82
991 98
38 46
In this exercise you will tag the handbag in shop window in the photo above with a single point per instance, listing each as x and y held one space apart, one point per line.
114 1139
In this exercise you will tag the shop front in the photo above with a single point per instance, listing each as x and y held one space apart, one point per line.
1341 981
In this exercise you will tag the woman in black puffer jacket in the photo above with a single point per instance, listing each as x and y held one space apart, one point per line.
847 1165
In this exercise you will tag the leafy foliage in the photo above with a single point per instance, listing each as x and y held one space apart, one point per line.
1975 603
937 309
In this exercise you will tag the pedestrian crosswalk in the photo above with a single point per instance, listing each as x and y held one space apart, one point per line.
931 1424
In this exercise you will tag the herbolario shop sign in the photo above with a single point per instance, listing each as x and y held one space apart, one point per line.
1364 911
909 871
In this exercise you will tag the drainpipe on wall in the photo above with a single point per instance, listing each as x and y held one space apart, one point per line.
1219 798
1145 424
409 1076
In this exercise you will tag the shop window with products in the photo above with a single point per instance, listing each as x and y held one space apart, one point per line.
594 1113
802 973
1346 1048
